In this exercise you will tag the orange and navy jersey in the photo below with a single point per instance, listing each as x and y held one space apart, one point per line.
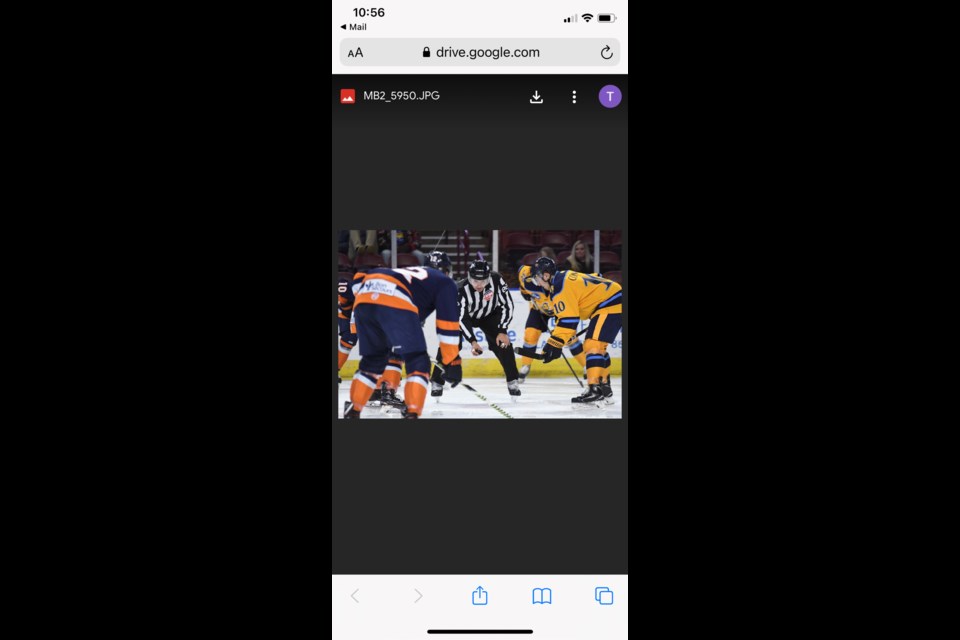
419 290
532 291
578 296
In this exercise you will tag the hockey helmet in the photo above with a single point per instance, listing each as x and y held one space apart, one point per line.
440 261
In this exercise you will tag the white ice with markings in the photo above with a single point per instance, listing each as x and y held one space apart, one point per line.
541 398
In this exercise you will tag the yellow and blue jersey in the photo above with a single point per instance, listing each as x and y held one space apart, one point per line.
578 296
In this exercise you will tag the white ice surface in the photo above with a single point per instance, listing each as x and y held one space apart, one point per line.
541 398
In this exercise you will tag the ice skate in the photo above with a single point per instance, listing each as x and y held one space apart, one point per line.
524 372
607 391
513 386
390 400
436 389
375 397
349 413
590 398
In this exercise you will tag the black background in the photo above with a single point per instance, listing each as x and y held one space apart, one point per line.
472 496
733 331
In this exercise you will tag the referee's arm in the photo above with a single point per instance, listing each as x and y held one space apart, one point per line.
506 306
465 329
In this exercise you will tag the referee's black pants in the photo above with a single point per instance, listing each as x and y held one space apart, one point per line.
507 358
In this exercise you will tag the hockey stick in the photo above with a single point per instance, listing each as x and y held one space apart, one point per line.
476 393
571 370
532 353
529 353
439 241
453 385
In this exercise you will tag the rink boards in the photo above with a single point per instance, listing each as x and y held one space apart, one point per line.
486 364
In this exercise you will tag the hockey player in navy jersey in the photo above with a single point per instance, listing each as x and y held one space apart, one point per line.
386 391
441 262
389 306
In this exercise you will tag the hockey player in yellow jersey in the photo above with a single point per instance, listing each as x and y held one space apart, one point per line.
578 296
541 309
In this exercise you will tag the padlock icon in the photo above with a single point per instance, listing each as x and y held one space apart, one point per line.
426 52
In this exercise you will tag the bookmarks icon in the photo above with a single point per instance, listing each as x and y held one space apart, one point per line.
542 595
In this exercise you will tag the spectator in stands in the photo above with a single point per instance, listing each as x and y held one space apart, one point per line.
407 242
362 242
548 252
580 258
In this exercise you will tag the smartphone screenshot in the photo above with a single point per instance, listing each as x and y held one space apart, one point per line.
480 398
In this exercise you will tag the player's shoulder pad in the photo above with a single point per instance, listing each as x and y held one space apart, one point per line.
558 279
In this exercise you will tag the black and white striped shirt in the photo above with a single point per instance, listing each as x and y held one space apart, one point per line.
476 305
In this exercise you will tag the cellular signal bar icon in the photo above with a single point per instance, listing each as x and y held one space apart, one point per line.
572 18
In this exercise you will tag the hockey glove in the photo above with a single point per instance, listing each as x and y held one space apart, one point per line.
453 372
551 350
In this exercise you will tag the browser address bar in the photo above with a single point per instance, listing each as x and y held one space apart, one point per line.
451 52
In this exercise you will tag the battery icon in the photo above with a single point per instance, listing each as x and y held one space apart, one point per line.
606 17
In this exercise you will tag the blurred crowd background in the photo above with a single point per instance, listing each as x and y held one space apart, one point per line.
572 249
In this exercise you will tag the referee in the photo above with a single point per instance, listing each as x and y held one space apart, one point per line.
485 304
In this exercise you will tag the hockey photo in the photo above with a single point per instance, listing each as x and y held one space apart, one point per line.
489 324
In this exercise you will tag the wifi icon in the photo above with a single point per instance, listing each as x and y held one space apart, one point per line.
587 17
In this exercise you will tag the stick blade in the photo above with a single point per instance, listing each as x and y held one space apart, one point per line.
529 353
